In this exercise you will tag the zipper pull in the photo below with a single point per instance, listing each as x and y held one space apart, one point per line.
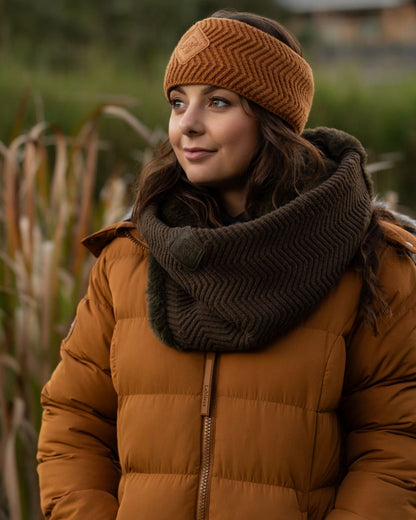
207 383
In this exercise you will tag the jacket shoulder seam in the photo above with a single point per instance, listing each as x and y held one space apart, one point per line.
97 241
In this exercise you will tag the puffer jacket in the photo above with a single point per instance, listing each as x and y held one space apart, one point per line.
321 424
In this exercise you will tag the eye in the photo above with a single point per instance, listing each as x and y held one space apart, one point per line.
176 103
218 102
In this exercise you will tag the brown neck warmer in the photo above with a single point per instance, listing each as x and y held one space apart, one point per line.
235 288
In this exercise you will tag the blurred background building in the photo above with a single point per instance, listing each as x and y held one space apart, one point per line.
358 22
371 30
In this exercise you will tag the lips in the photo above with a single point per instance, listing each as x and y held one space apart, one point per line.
194 154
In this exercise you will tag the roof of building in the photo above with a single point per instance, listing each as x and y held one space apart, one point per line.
337 5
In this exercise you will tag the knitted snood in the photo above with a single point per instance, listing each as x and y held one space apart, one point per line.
235 288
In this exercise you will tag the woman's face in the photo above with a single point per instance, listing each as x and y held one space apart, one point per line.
214 139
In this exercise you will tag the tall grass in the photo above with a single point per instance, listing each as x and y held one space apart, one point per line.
48 186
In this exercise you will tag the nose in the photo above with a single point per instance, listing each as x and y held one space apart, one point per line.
191 121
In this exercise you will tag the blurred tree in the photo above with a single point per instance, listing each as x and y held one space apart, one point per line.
60 33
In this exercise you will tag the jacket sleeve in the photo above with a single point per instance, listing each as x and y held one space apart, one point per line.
379 407
77 455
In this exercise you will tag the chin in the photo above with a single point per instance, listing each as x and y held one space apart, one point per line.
201 180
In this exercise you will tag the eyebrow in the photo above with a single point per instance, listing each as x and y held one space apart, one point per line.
206 90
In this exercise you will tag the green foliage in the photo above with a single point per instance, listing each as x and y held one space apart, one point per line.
379 112
60 33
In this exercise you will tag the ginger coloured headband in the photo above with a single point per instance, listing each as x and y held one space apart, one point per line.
236 56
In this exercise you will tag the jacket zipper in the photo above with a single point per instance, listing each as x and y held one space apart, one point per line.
207 437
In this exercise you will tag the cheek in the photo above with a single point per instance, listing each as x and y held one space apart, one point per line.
173 131
247 142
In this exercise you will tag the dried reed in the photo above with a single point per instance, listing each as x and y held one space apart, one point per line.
47 182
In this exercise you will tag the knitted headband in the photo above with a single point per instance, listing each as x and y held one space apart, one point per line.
236 56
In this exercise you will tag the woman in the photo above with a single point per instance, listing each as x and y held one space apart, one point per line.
247 346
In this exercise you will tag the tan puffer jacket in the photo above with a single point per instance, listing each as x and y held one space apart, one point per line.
321 424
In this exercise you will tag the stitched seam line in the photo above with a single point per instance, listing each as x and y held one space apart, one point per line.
157 474
316 422
161 394
266 401
351 513
271 484
171 394
114 257
88 298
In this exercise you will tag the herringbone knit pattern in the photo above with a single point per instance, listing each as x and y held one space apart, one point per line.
237 287
238 57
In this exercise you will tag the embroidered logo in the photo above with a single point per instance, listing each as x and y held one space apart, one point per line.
191 44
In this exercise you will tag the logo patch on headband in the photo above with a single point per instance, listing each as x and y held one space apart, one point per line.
192 43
